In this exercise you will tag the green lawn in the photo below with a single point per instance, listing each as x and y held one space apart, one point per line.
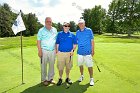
118 59
14 42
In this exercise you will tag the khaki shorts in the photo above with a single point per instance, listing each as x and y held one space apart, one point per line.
63 59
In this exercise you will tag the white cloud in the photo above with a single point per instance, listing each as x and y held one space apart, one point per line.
59 10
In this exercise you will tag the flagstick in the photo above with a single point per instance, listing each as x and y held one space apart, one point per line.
21 55
19 26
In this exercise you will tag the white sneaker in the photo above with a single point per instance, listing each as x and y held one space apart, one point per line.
91 82
81 78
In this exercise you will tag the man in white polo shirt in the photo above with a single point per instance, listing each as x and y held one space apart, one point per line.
46 39
85 39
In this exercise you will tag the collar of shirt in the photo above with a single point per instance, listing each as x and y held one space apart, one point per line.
48 29
83 29
66 32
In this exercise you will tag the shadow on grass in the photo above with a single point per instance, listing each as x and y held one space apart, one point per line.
74 88
12 88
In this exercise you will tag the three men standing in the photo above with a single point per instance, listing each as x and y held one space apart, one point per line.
65 45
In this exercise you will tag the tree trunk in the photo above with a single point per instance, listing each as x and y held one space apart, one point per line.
129 33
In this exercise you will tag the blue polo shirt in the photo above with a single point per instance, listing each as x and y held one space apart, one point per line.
84 41
65 41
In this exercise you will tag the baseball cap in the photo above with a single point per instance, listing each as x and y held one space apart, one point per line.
81 21
66 23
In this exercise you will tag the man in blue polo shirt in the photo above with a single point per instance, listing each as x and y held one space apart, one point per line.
66 44
85 50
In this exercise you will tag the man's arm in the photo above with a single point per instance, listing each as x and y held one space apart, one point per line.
74 47
39 48
57 45
92 43
72 51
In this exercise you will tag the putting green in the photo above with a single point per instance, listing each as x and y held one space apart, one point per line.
119 64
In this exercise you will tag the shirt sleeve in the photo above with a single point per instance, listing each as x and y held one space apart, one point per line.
57 39
74 39
39 35
91 34
56 33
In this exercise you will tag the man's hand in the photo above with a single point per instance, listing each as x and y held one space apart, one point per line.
39 48
72 52
92 53
40 53
56 51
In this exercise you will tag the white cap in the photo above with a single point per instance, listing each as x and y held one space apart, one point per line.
81 21
66 23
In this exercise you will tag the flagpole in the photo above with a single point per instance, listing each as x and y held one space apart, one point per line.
18 26
21 55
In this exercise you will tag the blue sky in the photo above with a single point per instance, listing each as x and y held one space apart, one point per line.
59 10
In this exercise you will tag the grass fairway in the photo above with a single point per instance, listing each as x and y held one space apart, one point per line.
118 59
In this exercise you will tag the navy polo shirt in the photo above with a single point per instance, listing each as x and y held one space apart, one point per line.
84 41
66 41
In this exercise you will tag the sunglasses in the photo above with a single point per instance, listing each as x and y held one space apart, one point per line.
66 26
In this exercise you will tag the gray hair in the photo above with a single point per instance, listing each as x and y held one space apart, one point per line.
48 18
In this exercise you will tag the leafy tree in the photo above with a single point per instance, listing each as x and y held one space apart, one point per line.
94 18
7 18
32 23
60 26
112 17
87 17
72 26
5 21
124 16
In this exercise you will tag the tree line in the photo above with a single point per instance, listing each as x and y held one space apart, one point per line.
7 18
122 17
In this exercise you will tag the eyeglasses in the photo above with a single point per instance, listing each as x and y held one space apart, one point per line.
49 21
66 26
